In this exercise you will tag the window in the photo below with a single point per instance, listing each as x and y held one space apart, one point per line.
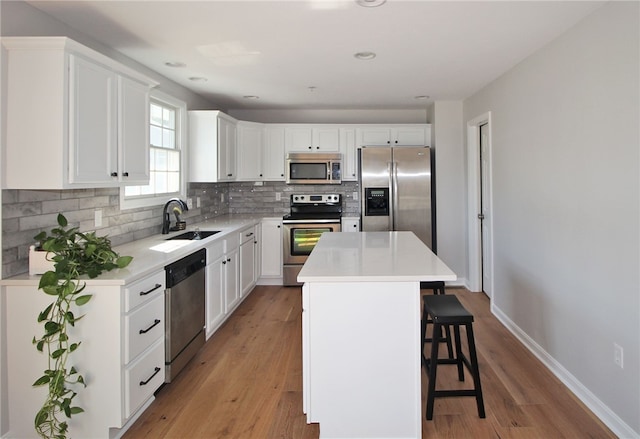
167 122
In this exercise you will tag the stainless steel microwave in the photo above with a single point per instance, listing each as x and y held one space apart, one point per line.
314 168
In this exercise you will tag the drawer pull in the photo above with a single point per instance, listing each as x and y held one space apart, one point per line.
144 293
249 234
144 331
155 372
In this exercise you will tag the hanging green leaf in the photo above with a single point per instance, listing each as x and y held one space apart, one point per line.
74 254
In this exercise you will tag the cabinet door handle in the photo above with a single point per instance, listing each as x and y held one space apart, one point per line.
155 372
155 323
229 175
144 293
125 174
224 262
114 174
228 259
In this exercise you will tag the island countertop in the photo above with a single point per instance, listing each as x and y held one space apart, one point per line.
373 256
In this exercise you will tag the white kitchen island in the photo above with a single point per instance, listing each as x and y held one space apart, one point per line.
361 333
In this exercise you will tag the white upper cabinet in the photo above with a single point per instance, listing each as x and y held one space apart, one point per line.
312 138
212 146
394 135
250 145
273 154
349 154
75 118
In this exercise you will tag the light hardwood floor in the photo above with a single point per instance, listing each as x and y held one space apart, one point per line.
247 383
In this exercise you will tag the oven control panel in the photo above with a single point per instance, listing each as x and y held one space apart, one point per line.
316 199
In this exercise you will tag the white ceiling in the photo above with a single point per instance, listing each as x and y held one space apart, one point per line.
278 50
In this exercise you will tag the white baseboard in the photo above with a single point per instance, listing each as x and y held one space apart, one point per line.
269 281
602 411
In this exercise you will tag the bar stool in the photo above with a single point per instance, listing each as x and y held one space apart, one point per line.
446 310
438 288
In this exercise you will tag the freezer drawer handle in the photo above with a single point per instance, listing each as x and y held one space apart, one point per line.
144 293
155 372
155 323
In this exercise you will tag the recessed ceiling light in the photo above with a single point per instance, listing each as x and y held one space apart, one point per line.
371 3
251 97
365 55
198 79
175 64
312 88
421 97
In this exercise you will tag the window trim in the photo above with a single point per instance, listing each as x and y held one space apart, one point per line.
181 124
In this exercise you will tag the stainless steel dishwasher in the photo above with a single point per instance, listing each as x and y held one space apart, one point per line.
184 311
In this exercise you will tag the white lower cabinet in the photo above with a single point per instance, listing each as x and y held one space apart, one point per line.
248 259
122 368
214 298
350 224
270 249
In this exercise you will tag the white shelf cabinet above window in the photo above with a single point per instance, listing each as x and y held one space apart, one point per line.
75 118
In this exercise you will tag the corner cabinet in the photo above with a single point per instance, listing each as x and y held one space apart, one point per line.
75 118
121 356
212 146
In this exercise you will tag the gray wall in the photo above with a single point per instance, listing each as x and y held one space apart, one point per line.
566 206
448 141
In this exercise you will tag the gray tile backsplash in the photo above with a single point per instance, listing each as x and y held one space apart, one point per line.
27 212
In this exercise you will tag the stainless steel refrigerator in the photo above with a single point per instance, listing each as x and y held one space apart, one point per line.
396 190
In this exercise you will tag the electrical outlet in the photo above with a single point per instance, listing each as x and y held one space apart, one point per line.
98 218
355 196
618 355
278 196
198 202
190 203
222 198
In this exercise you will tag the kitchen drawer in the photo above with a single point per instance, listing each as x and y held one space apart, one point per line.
145 289
143 327
215 250
143 377
246 235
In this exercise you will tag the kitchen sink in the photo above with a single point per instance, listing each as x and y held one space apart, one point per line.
194 236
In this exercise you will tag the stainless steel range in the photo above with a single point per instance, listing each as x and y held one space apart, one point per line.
311 215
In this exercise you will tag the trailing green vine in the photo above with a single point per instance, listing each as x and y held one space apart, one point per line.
74 254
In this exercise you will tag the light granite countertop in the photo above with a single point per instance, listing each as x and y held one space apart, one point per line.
155 252
373 256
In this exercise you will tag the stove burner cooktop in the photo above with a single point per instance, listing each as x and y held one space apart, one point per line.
315 207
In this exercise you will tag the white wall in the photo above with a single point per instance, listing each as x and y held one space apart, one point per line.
446 118
566 166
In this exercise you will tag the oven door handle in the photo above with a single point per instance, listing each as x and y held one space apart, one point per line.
311 221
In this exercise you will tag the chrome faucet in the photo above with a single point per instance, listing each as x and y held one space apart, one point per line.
166 221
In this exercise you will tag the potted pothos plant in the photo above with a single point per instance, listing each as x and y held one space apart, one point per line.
75 254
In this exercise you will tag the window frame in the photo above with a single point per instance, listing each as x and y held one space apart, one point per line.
181 140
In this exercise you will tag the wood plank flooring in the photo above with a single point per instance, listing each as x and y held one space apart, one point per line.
247 383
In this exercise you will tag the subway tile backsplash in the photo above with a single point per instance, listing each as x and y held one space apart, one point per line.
27 212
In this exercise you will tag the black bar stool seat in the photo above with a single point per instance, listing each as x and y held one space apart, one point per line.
446 310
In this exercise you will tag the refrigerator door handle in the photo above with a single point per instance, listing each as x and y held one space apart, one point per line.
390 173
394 194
